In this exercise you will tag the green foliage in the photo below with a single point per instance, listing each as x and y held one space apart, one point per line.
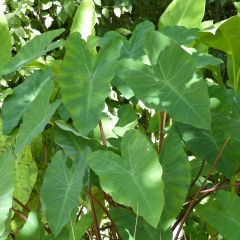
114 130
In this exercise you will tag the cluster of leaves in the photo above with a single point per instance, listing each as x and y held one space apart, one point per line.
121 135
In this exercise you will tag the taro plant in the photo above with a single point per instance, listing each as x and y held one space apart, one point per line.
121 136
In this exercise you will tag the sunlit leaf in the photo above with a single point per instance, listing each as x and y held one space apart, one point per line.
171 84
137 173
86 10
85 80
187 13
31 50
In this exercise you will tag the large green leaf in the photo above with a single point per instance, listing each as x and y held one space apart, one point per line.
61 189
207 144
137 174
23 95
171 84
86 10
6 187
225 36
84 81
188 13
5 41
32 50
222 211
73 144
25 174
176 178
36 118
129 222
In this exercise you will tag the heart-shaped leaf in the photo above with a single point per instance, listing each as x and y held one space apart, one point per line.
137 173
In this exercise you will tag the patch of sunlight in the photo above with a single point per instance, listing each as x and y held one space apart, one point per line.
214 103
194 80
152 176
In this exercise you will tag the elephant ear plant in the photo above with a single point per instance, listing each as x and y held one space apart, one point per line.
121 137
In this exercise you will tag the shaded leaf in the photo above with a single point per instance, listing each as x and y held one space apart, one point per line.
73 144
127 222
61 189
206 145
222 211
137 173
36 117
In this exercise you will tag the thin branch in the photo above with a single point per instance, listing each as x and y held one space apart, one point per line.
20 214
191 205
215 188
25 208
93 211
162 126
108 215
102 133
198 175
79 213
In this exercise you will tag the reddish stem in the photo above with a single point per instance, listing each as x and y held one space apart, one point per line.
198 175
20 215
102 133
93 211
162 126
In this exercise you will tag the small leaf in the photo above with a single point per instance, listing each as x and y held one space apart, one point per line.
117 11
137 174
187 13
31 51
61 188
86 10
222 211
